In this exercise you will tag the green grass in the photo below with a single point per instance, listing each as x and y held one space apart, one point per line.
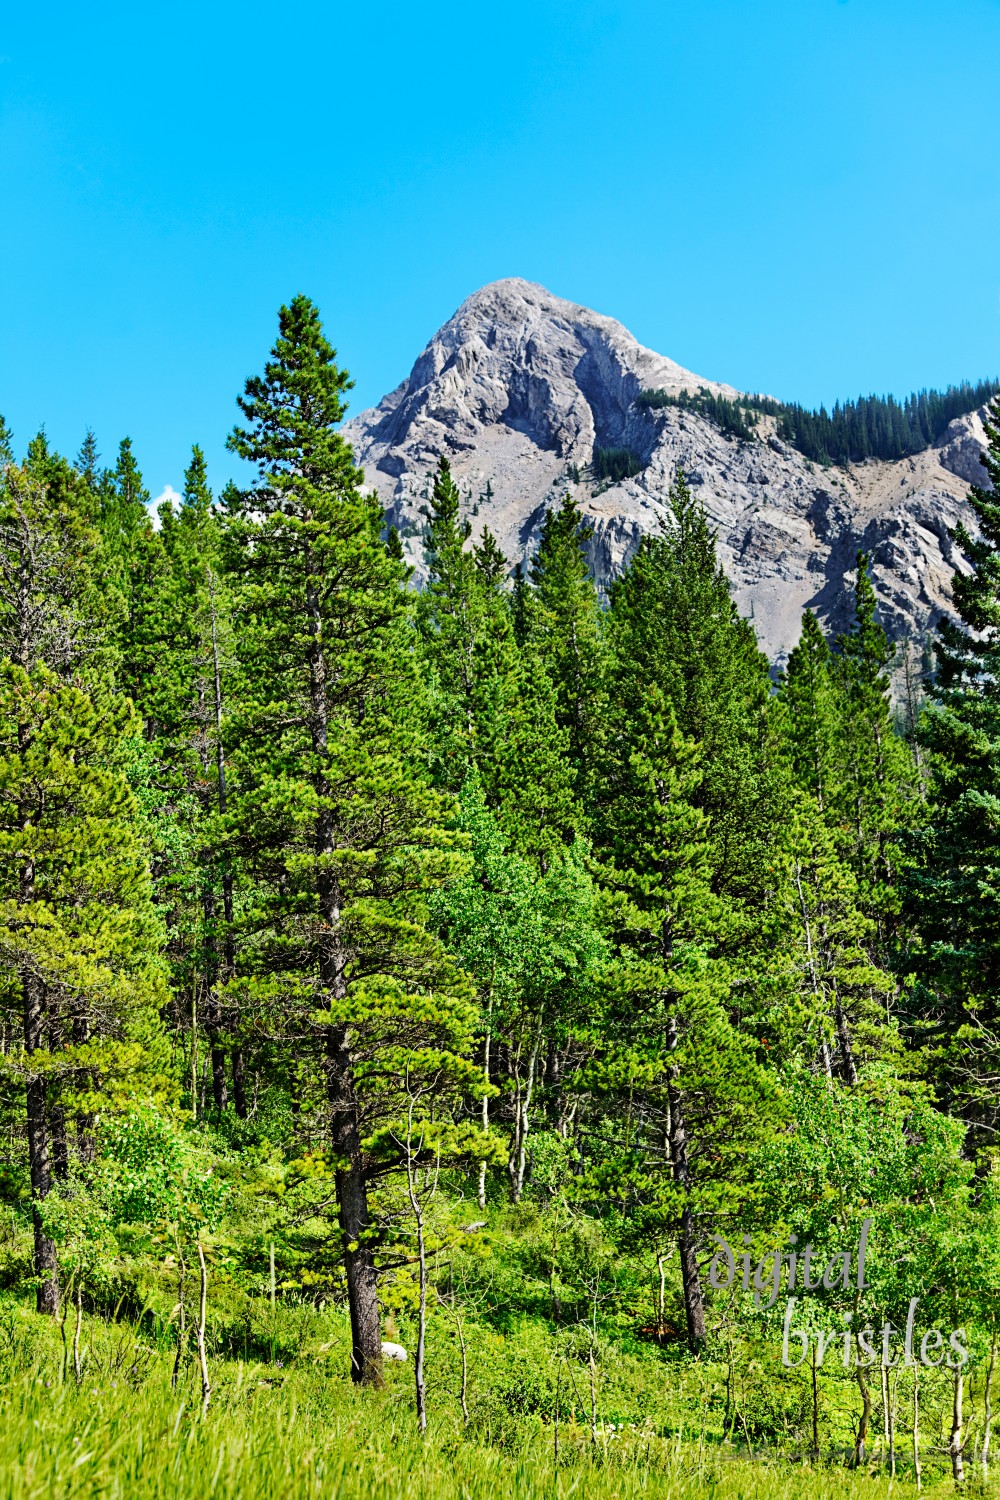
303 1439
301 1431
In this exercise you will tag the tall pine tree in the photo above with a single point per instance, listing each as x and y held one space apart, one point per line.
339 833
954 891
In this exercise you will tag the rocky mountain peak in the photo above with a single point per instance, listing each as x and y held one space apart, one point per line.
524 392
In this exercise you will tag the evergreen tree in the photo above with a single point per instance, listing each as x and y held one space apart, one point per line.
875 774
693 1096
455 629
493 706
185 708
811 708
76 923
834 1007
88 460
954 891
673 625
137 571
565 628
339 833
394 544
490 561
520 607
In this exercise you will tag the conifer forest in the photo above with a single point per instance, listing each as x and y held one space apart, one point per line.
468 1031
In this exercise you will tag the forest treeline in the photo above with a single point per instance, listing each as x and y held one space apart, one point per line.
870 427
336 911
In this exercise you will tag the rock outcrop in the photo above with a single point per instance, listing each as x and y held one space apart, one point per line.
520 388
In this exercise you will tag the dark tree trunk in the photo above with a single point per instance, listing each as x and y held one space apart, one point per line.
46 1265
844 1043
239 1085
84 1123
861 1436
228 947
345 1137
60 1148
213 1012
56 1114
352 1200
694 1302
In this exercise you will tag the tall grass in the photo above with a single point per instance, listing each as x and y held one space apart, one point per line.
273 1432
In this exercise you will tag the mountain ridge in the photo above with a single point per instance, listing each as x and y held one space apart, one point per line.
520 389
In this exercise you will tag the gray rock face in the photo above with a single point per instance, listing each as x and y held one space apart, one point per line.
520 387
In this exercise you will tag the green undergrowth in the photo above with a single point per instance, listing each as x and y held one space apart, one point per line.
294 1426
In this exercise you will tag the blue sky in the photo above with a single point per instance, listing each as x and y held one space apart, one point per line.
799 196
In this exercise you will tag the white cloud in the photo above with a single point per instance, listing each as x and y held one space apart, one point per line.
169 493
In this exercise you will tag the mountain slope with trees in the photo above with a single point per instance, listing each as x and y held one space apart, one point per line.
482 968
529 396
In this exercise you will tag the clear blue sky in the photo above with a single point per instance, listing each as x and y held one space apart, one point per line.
799 196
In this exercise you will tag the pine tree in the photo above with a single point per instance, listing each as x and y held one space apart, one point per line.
520 607
689 1088
809 700
137 572
339 834
835 1010
493 706
954 891
875 794
77 928
490 561
455 630
88 460
124 510
673 625
565 628
185 710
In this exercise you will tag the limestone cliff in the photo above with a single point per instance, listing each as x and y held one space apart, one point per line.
520 387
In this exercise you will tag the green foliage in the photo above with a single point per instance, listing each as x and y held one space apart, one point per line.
562 623
615 464
954 892
672 624
87 928
736 419
329 905
879 426
870 427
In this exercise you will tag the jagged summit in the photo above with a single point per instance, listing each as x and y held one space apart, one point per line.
525 391
513 355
